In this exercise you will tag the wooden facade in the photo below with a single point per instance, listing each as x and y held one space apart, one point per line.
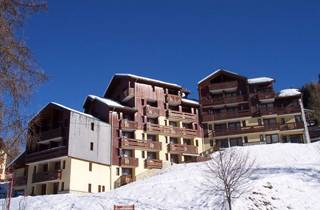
232 105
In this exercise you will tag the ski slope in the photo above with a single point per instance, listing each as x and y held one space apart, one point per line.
286 176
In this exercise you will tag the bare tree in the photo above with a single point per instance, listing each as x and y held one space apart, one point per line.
19 73
230 171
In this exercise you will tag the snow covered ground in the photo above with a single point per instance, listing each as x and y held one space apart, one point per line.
287 176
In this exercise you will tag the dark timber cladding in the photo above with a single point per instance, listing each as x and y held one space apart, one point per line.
140 103
225 95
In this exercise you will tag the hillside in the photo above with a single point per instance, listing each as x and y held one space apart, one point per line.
287 176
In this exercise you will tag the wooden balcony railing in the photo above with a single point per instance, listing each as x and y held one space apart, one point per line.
20 180
153 164
150 111
46 176
50 134
182 148
291 126
173 131
127 94
267 111
47 154
129 125
225 115
222 100
173 99
153 128
266 95
129 162
123 180
190 132
223 85
288 110
127 143
181 116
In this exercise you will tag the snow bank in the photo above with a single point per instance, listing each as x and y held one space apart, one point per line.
289 92
287 176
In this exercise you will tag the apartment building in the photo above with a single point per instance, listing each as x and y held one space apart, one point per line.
140 125
238 111
152 124
67 152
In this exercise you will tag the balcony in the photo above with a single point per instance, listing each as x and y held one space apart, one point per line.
123 180
127 143
222 100
218 87
187 132
127 94
241 130
20 180
129 125
288 110
181 116
153 128
152 112
51 134
47 154
225 115
266 96
291 126
173 99
129 162
182 148
153 164
46 176
267 111
173 131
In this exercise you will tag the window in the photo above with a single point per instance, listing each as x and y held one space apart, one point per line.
259 122
90 166
246 139
64 164
99 188
211 143
197 143
195 126
89 188
142 154
166 139
103 188
142 102
62 186
167 157
244 124
283 121
45 167
118 171
91 146
92 126
261 138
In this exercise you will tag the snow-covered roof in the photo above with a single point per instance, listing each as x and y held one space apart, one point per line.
72 110
289 92
148 79
107 101
215 72
186 100
260 80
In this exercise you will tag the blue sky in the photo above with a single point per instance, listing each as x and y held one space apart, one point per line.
81 44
